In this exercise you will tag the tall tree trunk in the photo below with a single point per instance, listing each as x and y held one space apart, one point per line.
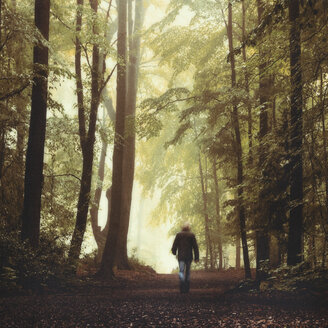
211 244
323 261
205 209
100 235
0 21
295 235
235 122
87 139
35 148
2 150
237 252
129 150
262 234
81 115
248 104
96 229
109 256
324 140
313 251
218 216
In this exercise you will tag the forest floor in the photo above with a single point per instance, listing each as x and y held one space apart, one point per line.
153 300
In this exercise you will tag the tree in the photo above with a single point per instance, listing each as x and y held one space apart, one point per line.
100 235
262 236
238 147
218 214
87 136
129 149
35 148
246 73
295 235
208 241
108 259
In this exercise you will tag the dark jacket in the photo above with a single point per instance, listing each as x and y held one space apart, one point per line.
184 243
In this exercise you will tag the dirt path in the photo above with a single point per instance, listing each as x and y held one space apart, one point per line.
156 302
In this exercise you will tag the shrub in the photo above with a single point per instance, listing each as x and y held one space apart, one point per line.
23 267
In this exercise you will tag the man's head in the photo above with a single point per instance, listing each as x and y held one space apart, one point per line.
186 226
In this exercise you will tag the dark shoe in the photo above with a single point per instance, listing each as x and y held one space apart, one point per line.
182 287
187 286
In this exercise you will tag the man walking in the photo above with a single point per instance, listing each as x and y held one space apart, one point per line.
185 243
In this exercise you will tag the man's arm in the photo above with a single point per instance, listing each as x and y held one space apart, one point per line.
195 247
175 245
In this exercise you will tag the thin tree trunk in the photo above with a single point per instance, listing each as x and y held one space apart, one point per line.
87 141
100 235
316 201
274 121
218 216
0 21
77 237
284 183
295 236
323 261
249 106
238 253
109 256
211 245
262 234
35 148
235 122
2 150
205 209
324 140
96 229
313 250
206 256
129 150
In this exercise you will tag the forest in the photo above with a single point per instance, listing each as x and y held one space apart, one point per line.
215 110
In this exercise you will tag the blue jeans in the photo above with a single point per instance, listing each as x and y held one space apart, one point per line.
184 271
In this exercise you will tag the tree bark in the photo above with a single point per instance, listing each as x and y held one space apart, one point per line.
100 235
295 235
35 148
0 21
129 150
248 103
235 123
109 256
218 216
324 140
323 261
87 139
96 229
238 253
206 218
262 234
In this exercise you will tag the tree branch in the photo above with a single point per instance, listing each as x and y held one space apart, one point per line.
86 55
60 20
173 101
8 37
14 92
62 175
107 79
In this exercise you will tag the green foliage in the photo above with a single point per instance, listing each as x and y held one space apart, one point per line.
299 277
198 50
30 269
184 116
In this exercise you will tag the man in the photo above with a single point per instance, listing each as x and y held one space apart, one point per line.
185 242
